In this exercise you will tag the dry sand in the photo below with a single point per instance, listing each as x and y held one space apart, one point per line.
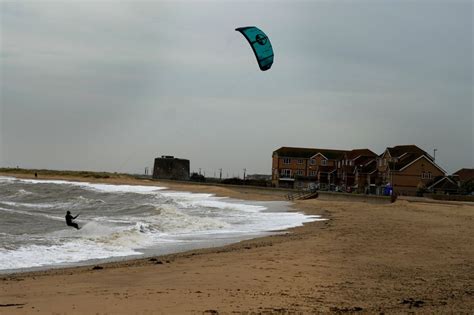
367 258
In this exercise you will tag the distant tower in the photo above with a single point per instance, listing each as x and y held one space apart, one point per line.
169 167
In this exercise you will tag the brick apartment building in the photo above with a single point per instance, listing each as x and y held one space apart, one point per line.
407 168
301 167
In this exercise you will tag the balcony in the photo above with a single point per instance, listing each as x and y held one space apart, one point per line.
292 177
286 177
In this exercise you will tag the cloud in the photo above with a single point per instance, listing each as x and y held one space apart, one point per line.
111 85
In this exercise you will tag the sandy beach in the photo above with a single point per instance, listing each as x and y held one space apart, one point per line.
408 256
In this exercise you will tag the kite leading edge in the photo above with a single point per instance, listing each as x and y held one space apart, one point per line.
260 44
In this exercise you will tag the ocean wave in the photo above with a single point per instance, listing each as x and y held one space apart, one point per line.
170 219
6 179
71 252
120 220
100 187
23 192
34 205
189 200
35 214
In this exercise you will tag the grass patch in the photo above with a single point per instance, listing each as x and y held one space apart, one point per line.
44 172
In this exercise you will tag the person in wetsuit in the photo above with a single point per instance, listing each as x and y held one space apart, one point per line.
69 219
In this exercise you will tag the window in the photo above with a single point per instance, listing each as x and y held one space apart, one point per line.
286 173
324 162
312 161
312 173
300 161
286 160
300 172
426 175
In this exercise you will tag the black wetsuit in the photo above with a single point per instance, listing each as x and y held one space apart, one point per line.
69 222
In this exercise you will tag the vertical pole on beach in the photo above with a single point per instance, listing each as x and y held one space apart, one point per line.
244 173
220 174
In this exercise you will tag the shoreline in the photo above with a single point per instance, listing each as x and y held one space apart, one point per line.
391 258
127 261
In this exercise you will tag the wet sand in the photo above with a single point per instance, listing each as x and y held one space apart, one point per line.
391 258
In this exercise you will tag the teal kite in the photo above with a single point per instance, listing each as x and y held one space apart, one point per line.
260 44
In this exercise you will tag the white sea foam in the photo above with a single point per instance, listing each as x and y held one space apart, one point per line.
70 252
34 214
21 193
124 227
92 241
100 187
35 205
7 179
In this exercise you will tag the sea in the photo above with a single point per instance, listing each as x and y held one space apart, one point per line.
120 222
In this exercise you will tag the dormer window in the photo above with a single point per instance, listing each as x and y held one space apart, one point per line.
426 175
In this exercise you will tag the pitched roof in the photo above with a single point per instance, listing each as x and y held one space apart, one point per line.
465 174
307 152
409 158
369 167
399 150
331 154
443 182
361 160
295 152
360 152
404 160
407 154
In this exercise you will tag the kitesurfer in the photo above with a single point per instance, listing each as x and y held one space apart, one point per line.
69 219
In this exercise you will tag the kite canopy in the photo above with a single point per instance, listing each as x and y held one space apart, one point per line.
260 44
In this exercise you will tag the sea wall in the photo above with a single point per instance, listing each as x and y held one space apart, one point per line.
338 196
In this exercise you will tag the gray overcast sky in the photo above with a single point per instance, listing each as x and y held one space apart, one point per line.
108 85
